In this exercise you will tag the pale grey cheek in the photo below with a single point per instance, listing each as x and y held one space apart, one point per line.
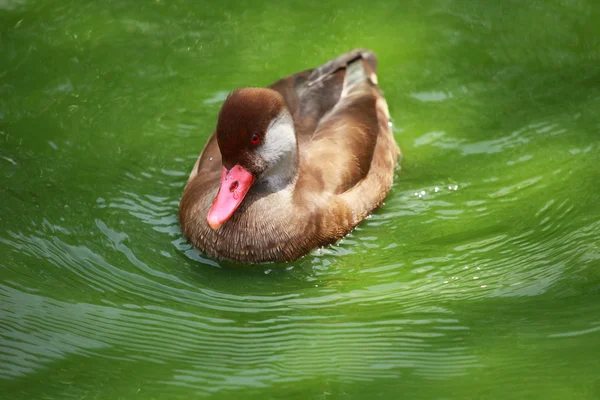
269 155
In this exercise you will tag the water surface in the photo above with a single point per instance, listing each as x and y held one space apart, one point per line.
478 278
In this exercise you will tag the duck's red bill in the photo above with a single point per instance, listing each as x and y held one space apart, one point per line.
235 183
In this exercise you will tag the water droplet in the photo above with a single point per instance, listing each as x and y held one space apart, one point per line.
236 195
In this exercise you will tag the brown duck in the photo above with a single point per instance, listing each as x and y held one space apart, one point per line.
293 166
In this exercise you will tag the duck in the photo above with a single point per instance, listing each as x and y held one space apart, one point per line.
293 166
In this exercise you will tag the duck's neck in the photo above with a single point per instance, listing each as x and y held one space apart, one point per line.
280 152
282 176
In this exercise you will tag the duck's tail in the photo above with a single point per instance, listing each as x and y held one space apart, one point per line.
360 66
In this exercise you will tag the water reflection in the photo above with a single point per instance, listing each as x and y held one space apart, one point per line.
364 350
516 139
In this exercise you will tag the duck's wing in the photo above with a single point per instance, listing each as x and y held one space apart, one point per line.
311 94
330 68
209 161
291 88
342 149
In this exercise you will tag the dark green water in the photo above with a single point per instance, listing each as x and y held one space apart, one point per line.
479 278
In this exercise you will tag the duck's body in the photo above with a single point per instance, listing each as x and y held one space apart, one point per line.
294 166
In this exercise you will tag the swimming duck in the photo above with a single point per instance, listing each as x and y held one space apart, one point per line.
293 166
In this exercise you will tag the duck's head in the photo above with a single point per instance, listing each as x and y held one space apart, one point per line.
256 137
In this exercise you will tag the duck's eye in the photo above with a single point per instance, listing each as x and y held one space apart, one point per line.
255 139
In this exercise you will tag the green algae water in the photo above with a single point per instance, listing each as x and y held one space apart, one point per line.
478 278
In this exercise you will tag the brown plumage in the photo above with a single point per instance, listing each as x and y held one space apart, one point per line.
318 155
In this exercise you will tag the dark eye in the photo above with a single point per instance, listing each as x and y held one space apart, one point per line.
255 139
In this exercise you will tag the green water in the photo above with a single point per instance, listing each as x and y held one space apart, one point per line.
479 278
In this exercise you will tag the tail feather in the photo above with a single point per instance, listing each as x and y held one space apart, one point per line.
360 64
358 72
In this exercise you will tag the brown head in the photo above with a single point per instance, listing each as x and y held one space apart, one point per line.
256 137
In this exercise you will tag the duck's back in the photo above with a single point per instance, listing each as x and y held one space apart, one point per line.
311 94
347 149
342 123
